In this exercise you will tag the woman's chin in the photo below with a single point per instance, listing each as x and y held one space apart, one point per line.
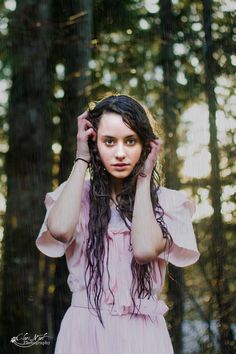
120 174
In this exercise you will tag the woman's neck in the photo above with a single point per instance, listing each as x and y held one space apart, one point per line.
116 188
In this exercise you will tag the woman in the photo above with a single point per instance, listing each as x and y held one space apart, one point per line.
118 231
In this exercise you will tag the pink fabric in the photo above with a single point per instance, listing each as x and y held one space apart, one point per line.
81 332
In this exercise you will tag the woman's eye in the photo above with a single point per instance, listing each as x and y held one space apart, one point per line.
109 142
131 141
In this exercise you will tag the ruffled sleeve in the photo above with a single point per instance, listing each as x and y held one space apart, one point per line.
45 242
178 212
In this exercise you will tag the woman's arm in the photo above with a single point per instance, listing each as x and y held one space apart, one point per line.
65 213
146 234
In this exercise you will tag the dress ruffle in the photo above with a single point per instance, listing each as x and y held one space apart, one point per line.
178 211
45 242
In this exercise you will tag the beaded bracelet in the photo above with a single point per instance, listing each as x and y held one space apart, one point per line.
80 158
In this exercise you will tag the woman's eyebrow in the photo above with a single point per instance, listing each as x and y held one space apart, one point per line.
126 137
132 136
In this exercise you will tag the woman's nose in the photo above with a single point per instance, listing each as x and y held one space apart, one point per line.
120 152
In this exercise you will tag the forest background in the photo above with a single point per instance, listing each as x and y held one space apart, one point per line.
178 58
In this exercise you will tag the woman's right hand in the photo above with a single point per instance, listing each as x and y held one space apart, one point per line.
85 131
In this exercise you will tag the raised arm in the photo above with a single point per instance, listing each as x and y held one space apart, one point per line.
146 234
65 213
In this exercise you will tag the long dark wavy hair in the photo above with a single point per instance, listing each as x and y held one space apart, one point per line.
136 117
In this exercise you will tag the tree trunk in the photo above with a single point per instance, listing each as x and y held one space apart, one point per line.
170 123
27 167
75 50
219 244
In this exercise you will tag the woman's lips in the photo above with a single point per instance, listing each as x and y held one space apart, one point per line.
120 166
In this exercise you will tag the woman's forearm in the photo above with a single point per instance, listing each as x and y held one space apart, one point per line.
64 215
146 234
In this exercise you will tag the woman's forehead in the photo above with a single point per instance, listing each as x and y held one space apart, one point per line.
112 124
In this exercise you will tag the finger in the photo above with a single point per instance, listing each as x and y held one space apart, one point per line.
154 152
90 133
157 141
84 124
153 145
81 118
87 123
157 144
83 115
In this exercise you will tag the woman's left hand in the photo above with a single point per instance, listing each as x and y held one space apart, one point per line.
152 157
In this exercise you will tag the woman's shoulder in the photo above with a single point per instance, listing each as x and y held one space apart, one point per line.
168 192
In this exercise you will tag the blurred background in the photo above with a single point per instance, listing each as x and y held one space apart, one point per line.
178 57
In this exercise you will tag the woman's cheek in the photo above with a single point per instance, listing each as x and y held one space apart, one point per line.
103 154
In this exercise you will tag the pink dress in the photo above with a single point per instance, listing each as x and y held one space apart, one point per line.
145 333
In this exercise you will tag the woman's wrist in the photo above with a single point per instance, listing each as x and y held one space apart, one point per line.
79 167
144 178
81 159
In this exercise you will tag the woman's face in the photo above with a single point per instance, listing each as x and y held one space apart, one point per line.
119 146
